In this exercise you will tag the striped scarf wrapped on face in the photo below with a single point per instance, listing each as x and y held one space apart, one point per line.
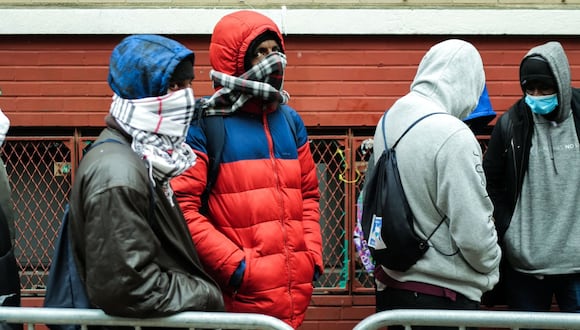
158 126
264 80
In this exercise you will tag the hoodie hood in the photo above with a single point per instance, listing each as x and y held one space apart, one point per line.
141 65
442 67
233 36
483 113
554 54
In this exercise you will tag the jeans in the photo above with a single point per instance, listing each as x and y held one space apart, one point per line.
391 298
528 293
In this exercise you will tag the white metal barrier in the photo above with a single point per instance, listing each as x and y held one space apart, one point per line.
463 319
190 320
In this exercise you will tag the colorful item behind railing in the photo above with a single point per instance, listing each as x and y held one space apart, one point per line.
360 244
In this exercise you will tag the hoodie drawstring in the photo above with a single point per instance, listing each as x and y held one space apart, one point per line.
553 124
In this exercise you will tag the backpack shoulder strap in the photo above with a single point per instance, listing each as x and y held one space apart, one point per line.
286 111
409 128
214 129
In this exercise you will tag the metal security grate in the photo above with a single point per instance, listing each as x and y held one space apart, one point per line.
333 167
41 170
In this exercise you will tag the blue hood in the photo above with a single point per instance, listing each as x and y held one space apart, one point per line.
141 65
482 114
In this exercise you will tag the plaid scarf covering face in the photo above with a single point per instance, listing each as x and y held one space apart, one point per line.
264 80
158 126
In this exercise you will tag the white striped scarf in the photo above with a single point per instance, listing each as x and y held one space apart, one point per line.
158 126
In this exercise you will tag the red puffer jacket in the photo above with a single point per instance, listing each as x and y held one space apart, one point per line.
264 206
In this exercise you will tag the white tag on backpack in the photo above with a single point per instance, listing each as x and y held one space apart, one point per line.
375 239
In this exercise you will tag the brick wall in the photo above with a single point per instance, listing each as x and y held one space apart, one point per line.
337 312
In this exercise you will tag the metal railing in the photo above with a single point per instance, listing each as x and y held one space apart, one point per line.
32 316
463 319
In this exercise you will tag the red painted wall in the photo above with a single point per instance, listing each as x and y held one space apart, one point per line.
335 81
340 81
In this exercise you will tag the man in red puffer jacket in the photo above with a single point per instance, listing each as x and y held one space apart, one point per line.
260 236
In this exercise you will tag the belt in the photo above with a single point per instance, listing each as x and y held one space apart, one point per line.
419 287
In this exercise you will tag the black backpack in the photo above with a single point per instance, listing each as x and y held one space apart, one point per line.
387 220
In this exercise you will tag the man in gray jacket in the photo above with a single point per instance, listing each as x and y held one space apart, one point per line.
531 164
440 166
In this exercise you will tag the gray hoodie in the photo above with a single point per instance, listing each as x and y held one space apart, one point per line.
440 166
542 238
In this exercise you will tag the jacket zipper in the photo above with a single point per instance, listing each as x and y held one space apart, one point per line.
281 199
518 171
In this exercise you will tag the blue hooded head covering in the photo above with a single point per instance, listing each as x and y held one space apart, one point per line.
482 114
142 65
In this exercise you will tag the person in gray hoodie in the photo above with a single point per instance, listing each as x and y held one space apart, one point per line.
440 166
529 163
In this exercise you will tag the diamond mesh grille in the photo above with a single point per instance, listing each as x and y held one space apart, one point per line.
39 193
41 170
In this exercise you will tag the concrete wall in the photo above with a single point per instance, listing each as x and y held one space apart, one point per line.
261 4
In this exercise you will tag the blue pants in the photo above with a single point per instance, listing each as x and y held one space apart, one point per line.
529 293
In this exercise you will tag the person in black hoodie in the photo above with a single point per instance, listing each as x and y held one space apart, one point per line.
532 178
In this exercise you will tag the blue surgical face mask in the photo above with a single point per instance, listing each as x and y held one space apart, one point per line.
542 105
